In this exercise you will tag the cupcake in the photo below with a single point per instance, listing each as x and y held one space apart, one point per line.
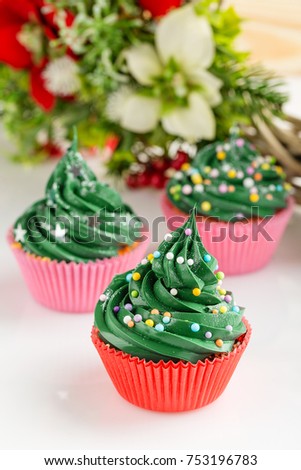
243 203
168 334
71 243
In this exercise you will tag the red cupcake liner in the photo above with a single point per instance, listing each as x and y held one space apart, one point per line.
235 257
169 386
72 287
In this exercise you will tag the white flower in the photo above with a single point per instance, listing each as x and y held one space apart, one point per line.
185 39
61 76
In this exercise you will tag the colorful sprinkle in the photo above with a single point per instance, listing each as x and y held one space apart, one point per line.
269 197
159 327
219 343
254 197
207 182
250 170
180 260
223 309
199 188
131 324
236 308
220 275
187 189
136 276
188 232
155 311
166 320
116 309
214 173
166 314
103 297
128 307
265 166
126 319
144 261
231 188
229 328
170 256
195 327
168 237
223 188
149 322
196 291
258 177
248 183
157 254
221 155
173 292
228 298
190 262
134 293
207 169
137 318
196 178
207 258
206 206
185 167
214 311
208 334
150 257
232 173
222 291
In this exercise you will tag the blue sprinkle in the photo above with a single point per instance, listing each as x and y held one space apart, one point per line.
207 258
279 187
159 327
157 254
236 309
195 327
166 320
129 277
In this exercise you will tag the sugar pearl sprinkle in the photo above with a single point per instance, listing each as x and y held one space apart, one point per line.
137 318
190 262
166 320
168 237
159 327
103 297
128 307
188 232
136 276
128 277
208 334
180 260
229 328
127 319
170 256
207 258
157 254
195 327
173 291
187 189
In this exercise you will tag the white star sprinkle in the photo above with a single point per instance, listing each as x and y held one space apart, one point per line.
59 232
20 233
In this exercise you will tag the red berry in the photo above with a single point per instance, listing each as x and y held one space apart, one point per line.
131 181
181 158
160 164
143 179
158 180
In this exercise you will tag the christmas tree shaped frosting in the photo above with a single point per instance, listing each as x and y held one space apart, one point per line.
230 180
80 219
172 306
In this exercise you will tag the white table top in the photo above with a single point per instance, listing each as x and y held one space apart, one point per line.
55 393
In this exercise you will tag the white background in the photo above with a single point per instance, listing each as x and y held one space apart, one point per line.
55 393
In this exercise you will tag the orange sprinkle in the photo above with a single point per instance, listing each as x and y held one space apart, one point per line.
219 343
155 311
131 324
214 311
16 245
231 188
258 177
166 314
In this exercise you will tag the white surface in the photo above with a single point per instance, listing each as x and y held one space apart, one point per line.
55 393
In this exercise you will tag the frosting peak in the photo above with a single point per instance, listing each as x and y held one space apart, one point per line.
172 306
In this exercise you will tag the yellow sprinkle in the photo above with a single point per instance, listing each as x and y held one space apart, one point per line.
287 186
206 206
45 259
254 197
149 322
219 343
221 155
167 314
207 169
222 291
231 173
185 167
265 166
279 169
223 309
16 245
155 311
173 190
196 291
136 276
196 179
150 257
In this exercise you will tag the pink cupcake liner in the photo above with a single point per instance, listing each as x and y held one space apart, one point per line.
169 386
72 287
235 257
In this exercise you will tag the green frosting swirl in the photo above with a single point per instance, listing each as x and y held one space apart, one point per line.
80 219
229 181
172 306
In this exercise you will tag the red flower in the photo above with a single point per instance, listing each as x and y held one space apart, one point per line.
14 14
160 8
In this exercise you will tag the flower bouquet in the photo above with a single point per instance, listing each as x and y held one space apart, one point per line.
148 81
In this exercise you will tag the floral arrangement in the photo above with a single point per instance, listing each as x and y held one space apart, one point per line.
150 81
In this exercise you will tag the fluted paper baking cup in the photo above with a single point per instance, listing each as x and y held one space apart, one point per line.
169 386
239 247
72 287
